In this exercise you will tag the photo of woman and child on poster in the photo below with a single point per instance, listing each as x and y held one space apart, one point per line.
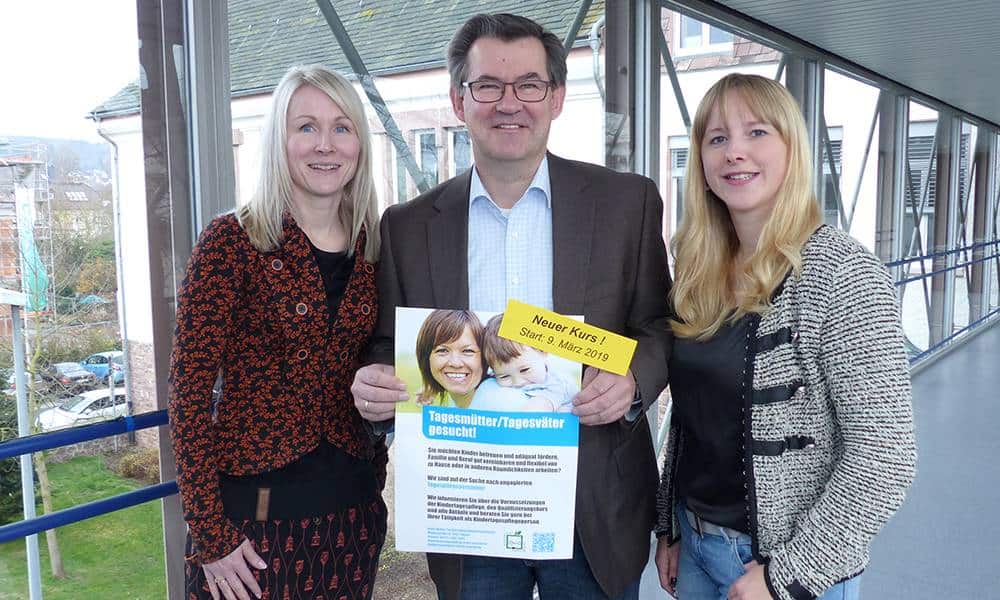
455 358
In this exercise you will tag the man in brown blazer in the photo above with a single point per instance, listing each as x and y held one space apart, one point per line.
608 263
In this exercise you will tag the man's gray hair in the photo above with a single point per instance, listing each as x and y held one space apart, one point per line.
506 27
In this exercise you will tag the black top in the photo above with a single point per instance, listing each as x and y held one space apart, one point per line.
352 480
706 383
335 267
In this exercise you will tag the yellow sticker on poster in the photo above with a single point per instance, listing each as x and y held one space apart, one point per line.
566 337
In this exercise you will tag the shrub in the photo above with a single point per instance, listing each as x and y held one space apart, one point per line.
10 469
140 463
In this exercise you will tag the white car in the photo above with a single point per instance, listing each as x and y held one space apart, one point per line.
88 407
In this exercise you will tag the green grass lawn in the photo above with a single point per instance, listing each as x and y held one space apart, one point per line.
117 555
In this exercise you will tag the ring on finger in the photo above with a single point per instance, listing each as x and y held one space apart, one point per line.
366 404
220 580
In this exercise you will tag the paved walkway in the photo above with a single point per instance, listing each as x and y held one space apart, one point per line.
944 543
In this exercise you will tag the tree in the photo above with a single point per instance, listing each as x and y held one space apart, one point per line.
72 244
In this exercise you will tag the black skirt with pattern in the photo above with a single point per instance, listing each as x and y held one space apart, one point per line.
330 557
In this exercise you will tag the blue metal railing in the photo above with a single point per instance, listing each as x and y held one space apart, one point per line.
915 358
903 261
918 356
75 435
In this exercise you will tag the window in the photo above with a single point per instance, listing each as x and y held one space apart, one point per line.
831 213
427 156
918 152
402 194
460 151
678 166
694 37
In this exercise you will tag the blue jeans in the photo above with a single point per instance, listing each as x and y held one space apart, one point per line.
710 563
487 578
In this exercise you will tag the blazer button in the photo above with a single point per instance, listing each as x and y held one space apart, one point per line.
276 264
302 354
301 308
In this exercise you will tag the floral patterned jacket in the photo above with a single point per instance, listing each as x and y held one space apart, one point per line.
261 319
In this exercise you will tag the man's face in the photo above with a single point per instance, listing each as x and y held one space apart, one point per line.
508 130
520 371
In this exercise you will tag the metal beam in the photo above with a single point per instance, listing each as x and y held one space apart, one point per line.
984 160
574 27
668 63
368 85
980 282
619 103
24 430
893 119
169 221
646 82
213 170
946 200
804 79
864 163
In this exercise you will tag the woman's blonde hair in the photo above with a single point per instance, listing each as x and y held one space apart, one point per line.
262 216
706 244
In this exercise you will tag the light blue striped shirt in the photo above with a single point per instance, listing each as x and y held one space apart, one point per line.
510 251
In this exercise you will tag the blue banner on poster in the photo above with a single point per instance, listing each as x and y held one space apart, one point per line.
508 429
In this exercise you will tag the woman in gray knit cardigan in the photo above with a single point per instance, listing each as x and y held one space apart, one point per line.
791 442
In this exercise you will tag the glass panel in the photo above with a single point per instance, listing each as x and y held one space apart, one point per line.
850 199
963 274
690 32
993 266
918 224
429 157
695 77
407 67
402 194
718 36
461 151
70 128
59 235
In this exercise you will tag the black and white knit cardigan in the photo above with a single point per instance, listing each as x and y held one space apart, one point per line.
829 449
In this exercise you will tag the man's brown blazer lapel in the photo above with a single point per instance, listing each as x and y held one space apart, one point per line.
448 244
572 229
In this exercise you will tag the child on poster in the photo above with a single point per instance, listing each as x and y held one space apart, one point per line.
521 378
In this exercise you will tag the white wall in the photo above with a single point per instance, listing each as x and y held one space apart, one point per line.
420 101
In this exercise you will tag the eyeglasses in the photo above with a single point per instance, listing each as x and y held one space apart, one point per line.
491 90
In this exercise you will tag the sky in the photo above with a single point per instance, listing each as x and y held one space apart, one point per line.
59 59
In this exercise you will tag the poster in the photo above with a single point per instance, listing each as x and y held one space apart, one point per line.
485 448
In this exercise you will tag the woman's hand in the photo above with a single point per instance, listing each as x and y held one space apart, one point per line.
750 585
230 578
666 560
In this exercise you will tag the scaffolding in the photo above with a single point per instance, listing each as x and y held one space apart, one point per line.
26 251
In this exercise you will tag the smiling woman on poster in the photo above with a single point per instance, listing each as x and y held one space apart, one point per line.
279 473
450 357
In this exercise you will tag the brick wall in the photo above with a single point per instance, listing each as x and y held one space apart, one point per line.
142 389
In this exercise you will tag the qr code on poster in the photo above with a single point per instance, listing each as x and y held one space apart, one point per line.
543 542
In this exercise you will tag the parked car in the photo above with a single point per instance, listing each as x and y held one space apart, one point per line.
100 363
11 390
67 379
87 407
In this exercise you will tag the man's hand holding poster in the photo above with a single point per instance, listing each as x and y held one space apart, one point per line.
486 448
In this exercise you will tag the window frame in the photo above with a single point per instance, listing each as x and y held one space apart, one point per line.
706 47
